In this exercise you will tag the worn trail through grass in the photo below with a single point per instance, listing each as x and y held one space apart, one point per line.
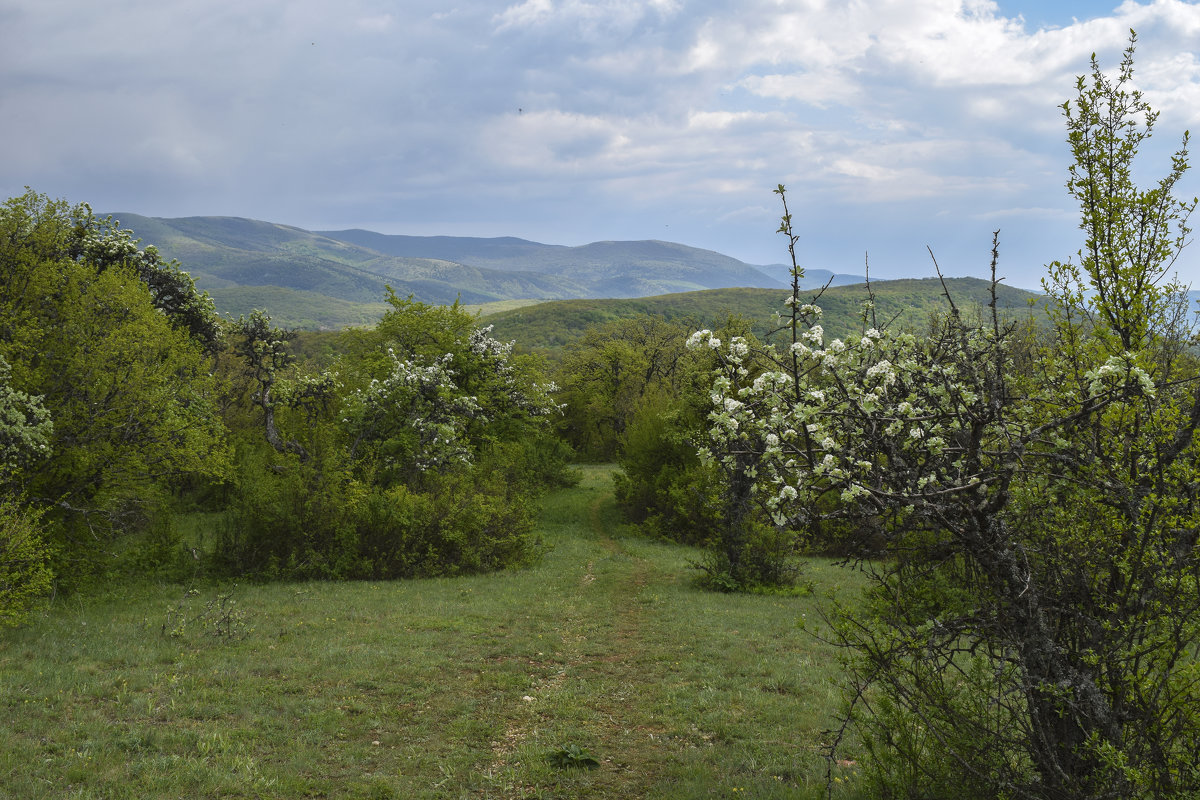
496 686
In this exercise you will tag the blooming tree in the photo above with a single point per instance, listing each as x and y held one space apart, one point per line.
427 412
1031 629
105 244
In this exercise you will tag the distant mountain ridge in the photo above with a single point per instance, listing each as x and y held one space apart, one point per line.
236 258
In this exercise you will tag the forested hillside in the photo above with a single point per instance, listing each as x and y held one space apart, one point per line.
547 327
237 260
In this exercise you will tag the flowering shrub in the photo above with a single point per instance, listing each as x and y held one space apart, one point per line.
427 412
105 244
1034 490
25 426
415 416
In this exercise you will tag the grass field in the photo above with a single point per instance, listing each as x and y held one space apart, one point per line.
600 673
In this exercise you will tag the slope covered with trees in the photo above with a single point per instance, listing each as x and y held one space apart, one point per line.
547 327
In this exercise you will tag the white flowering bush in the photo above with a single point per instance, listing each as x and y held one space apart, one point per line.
25 426
25 436
415 417
430 412
104 244
1032 623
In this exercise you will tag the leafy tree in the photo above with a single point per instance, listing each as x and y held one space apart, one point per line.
434 390
104 244
127 386
25 573
606 375
1032 631
25 433
263 351
662 485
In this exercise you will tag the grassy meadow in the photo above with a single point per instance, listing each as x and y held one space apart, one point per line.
600 672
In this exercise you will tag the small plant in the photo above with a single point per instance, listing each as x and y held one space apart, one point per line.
569 756
221 617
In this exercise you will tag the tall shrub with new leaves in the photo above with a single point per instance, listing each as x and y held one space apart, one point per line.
122 369
1032 629
438 392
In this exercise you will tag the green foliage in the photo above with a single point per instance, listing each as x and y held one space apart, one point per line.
607 375
1132 236
297 519
291 516
551 327
905 748
295 308
264 352
634 391
662 485
751 556
25 427
429 388
440 442
24 561
569 756
104 245
114 342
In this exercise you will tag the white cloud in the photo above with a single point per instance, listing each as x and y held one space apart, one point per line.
884 110
530 12
378 23
818 89
590 17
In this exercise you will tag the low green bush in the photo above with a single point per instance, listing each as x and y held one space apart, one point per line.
663 487
294 519
24 572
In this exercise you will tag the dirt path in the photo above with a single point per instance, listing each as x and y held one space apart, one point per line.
592 694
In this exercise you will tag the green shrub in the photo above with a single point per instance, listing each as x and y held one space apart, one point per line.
24 573
767 560
456 527
663 487
288 518
298 519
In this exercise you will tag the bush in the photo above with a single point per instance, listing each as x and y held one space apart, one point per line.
764 559
289 518
454 528
301 520
24 574
663 486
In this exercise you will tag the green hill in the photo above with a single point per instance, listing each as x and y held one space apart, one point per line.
601 269
226 252
293 308
352 268
548 327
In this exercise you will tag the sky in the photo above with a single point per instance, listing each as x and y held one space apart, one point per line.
899 127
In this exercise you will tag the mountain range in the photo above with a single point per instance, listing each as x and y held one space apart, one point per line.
333 278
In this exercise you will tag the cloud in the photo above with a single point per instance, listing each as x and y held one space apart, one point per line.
597 119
